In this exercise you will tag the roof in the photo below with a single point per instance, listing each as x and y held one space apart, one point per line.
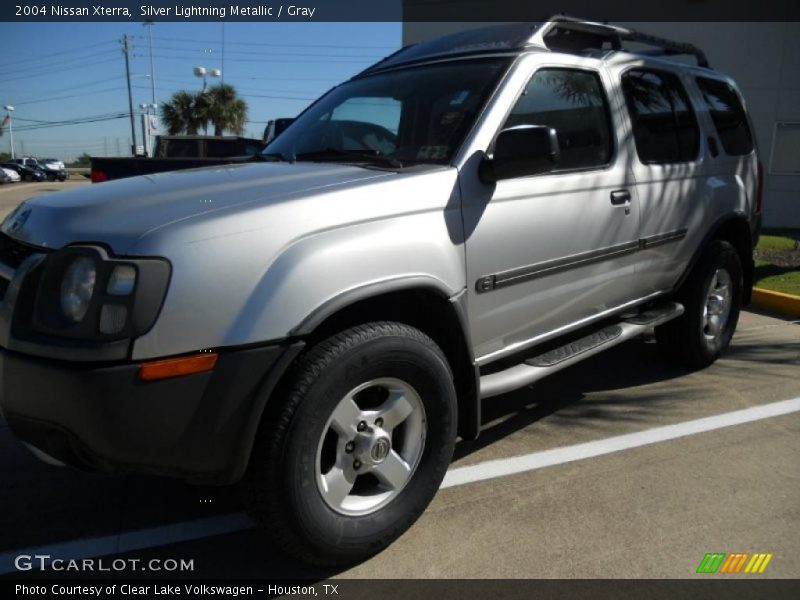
558 34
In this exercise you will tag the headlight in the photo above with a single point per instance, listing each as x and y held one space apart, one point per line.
86 293
77 288
122 280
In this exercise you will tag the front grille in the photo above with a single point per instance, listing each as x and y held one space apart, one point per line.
14 253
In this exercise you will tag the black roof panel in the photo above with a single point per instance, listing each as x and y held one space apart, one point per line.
498 38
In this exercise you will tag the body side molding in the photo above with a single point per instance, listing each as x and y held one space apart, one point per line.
488 283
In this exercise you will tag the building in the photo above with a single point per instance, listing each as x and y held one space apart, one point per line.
764 59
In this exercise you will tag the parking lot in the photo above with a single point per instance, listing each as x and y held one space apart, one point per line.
644 506
13 193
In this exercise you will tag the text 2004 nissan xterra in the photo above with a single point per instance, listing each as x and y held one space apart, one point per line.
461 219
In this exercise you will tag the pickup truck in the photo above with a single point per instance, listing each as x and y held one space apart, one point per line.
173 153
460 220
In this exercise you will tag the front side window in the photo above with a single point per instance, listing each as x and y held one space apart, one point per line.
414 115
728 115
664 126
574 104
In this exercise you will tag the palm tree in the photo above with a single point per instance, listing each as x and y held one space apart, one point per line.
224 109
181 114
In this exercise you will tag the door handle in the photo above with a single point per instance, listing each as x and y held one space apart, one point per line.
620 197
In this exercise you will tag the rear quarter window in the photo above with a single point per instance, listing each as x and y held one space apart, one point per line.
728 114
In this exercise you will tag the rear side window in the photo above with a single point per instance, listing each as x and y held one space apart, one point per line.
221 148
574 104
728 115
177 148
664 126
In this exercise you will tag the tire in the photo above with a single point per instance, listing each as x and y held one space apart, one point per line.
699 336
312 435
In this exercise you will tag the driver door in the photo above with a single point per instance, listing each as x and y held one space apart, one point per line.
550 251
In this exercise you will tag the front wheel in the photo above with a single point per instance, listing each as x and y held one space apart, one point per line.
359 447
712 297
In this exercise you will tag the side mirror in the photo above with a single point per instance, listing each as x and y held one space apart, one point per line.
521 151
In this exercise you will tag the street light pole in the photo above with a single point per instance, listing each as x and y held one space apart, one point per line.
9 110
130 93
149 25
204 73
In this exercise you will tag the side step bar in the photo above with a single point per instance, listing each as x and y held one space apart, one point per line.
538 367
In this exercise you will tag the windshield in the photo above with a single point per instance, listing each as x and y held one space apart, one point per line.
414 115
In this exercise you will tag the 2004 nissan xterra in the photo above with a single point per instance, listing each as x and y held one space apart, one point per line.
461 219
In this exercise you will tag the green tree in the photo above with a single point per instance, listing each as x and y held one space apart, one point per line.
83 160
219 106
181 114
224 109
5 157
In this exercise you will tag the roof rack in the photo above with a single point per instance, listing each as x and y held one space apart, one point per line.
562 26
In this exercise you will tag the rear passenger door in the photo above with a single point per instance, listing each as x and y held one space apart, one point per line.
669 171
546 252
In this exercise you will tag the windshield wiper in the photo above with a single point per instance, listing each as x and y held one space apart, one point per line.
351 155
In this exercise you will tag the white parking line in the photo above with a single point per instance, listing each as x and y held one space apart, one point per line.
154 537
557 456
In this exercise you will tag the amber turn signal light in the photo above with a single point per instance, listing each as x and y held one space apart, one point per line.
176 367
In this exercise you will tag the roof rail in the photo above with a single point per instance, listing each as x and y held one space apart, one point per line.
615 35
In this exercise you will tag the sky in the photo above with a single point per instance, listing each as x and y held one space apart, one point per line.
52 72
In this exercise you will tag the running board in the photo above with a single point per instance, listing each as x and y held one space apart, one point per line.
538 367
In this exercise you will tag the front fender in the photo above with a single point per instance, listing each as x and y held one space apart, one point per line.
265 276
319 274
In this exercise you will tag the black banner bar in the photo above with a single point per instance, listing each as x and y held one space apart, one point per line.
714 587
396 10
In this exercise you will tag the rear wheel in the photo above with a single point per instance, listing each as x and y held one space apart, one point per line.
712 297
359 448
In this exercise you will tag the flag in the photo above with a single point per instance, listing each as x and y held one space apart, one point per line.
4 123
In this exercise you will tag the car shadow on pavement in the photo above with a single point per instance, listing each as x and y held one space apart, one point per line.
634 363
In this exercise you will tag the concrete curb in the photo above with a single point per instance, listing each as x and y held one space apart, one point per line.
787 304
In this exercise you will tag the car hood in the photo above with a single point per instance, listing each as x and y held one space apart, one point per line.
119 213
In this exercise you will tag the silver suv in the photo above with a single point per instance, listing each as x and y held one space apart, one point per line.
461 219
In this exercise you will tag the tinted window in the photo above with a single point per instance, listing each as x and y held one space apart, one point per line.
664 126
369 122
574 104
220 148
728 115
414 115
182 148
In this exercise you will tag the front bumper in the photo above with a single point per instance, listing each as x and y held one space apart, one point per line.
199 427
56 174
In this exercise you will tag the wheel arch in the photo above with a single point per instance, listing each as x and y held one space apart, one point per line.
416 301
735 229
421 302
